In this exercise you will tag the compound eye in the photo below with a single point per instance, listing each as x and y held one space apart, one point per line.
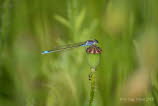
96 41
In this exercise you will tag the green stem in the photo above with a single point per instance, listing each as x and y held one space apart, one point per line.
92 77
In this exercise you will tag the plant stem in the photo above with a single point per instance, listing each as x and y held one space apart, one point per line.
92 83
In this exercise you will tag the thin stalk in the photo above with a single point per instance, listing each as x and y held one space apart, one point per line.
93 84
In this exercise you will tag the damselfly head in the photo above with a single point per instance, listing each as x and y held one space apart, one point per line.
96 41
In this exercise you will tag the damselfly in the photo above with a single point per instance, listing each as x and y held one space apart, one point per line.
69 46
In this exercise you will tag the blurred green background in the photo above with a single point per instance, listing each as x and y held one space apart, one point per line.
127 31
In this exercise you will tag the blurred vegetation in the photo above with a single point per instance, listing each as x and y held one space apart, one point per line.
127 33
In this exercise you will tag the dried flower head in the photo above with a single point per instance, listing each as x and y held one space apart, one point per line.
94 50
93 55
